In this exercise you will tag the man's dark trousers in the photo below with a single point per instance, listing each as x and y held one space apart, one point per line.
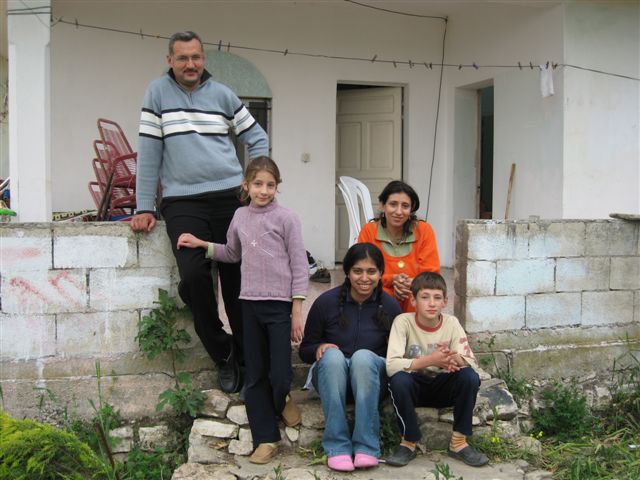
207 216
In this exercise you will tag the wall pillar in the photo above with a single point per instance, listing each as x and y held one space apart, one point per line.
28 27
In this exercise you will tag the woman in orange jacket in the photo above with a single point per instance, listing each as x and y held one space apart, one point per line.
407 243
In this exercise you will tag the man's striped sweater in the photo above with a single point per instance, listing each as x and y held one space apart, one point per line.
184 139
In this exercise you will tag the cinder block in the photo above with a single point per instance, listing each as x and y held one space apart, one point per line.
565 361
481 279
24 337
25 249
625 273
553 309
105 333
53 291
495 313
126 289
496 241
522 277
556 239
135 396
578 274
154 248
93 251
606 308
612 237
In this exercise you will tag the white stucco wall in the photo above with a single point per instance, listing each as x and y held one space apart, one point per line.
602 119
29 106
527 128
98 73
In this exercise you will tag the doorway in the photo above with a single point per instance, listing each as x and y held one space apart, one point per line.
368 144
485 170
260 110
473 152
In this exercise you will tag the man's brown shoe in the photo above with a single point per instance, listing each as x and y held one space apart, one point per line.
264 453
291 413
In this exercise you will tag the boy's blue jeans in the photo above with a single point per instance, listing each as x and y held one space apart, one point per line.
411 390
333 377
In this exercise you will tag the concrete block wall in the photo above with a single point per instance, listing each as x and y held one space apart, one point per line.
72 294
561 296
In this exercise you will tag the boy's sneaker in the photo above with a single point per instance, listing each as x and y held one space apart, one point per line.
470 456
321 276
401 457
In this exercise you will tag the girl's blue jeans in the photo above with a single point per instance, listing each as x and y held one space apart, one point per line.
362 375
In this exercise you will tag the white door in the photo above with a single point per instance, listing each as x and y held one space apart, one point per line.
368 146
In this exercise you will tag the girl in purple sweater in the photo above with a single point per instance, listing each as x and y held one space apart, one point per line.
268 239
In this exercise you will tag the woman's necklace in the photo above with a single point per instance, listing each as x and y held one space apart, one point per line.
397 239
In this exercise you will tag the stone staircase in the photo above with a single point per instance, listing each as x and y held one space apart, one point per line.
221 435
220 439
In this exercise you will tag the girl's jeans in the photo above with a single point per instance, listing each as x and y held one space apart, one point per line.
333 377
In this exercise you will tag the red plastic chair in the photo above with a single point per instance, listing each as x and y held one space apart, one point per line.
123 166
115 153
113 211
110 132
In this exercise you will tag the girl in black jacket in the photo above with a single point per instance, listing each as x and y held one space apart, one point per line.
345 338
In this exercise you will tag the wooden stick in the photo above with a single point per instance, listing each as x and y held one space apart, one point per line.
513 172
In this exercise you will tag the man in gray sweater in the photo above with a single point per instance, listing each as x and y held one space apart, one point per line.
184 143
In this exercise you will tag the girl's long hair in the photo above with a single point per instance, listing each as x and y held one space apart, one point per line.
257 165
357 252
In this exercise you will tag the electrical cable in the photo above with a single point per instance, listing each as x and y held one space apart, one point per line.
435 132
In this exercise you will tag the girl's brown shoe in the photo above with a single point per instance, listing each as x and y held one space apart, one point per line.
291 413
264 453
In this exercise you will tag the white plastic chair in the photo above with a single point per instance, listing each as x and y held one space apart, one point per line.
356 195
359 194
352 213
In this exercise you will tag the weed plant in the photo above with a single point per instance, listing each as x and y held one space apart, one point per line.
607 448
624 408
518 387
158 333
443 472
315 452
565 414
499 448
389 432
156 465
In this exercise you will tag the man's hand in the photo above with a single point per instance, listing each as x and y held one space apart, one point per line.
143 222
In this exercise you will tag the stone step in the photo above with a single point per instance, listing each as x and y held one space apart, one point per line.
222 430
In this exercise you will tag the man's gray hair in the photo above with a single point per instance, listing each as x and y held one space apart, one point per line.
182 37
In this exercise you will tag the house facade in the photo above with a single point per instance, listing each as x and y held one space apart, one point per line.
576 152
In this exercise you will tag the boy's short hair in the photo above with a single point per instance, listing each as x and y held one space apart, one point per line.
428 280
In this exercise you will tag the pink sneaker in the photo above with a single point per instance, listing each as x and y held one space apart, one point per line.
341 463
363 460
